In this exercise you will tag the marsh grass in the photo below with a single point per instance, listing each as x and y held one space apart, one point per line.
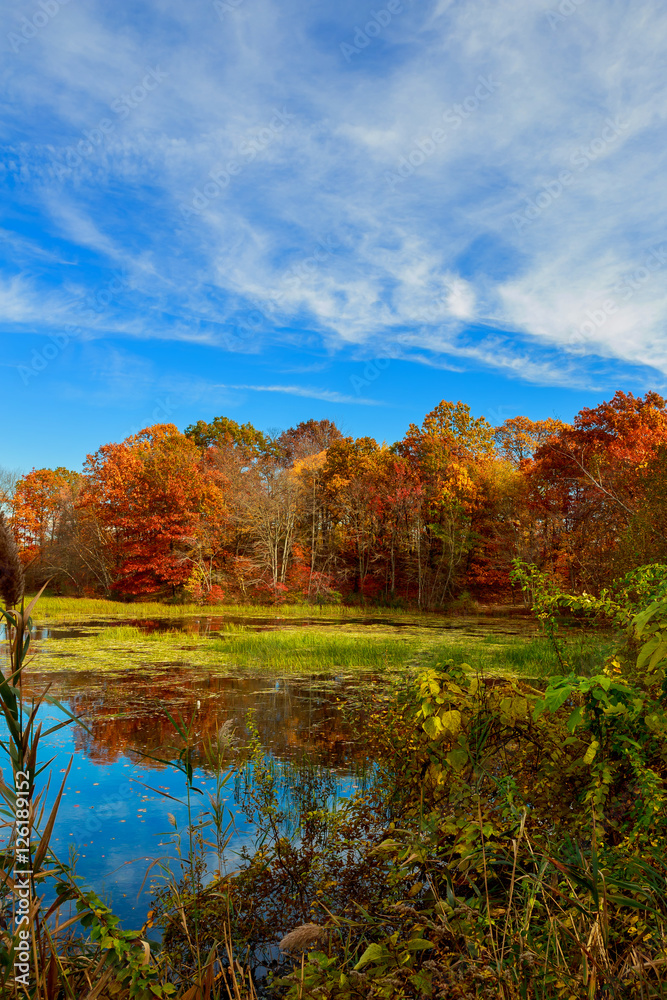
120 634
235 647
530 656
292 647
289 651
72 608
304 649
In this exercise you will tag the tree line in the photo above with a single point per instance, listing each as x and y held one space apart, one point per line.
223 511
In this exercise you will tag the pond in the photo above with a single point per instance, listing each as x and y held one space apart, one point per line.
116 805
121 680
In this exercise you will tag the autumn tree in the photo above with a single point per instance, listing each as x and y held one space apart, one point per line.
595 477
8 481
310 437
224 433
59 541
227 507
266 504
37 505
450 452
160 506
349 477
315 525
519 438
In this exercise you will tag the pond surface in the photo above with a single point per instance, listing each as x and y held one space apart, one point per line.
114 811
516 621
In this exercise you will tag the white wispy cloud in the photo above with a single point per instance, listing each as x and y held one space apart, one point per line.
326 395
409 194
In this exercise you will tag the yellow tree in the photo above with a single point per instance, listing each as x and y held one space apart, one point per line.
451 451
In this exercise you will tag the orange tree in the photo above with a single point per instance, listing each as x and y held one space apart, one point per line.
454 457
160 505
349 483
595 479
38 501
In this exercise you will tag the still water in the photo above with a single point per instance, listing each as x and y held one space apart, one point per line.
114 811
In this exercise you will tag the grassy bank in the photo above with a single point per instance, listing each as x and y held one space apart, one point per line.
75 608
530 655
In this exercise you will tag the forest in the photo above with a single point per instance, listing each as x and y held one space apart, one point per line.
225 512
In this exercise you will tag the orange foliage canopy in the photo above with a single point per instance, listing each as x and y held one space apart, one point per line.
156 498
38 503
227 509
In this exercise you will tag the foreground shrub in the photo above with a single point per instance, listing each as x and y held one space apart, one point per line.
515 845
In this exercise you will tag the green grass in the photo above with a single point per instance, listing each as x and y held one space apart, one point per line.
287 650
307 649
71 608
333 643
527 656
121 634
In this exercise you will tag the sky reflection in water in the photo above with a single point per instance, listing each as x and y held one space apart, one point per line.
117 824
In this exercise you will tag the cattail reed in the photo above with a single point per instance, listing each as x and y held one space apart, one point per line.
12 581
302 937
227 739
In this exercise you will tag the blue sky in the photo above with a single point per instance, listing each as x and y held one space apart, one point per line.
274 211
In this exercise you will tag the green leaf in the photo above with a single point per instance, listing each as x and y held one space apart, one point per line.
374 953
321 959
575 719
659 655
423 983
540 706
451 721
432 727
457 759
554 698
589 756
419 944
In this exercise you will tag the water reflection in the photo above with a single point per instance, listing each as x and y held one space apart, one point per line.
114 810
126 712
